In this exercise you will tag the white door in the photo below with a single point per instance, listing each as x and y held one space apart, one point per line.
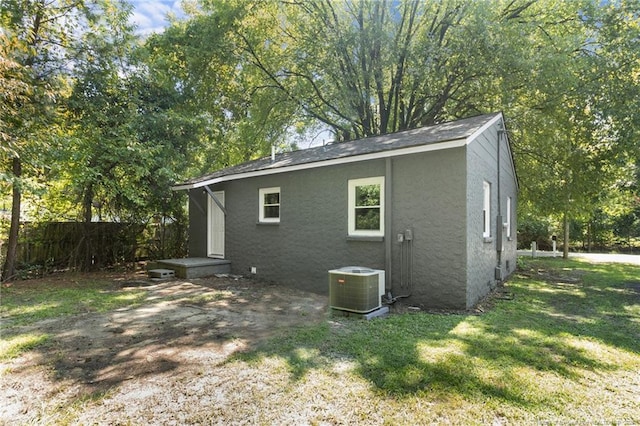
215 234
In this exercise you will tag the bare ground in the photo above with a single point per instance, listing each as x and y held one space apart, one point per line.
143 364
171 360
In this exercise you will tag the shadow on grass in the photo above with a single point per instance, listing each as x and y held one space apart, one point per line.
544 331
99 350
595 301
498 355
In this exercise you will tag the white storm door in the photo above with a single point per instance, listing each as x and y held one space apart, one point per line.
215 225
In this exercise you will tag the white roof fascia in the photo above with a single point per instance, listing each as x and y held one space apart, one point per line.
457 143
484 127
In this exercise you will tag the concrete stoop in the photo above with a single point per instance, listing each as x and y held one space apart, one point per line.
193 267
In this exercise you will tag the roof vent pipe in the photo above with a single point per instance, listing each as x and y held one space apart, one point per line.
273 153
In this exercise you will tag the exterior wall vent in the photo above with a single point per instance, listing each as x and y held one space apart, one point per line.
356 289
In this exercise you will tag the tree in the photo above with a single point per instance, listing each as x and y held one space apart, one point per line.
128 142
371 67
33 34
570 141
14 91
44 42
235 117
238 77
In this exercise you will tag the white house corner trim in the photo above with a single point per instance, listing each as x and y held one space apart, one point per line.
485 126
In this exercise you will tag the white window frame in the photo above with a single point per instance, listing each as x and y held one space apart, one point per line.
508 222
261 194
486 209
353 184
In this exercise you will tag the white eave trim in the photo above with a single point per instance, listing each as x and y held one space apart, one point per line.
437 146
482 129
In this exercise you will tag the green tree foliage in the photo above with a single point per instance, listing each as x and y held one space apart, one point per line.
532 228
103 148
14 92
37 39
574 137
85 122
127 144
372 67
234 118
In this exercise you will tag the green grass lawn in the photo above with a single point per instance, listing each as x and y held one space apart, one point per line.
26 303
564 348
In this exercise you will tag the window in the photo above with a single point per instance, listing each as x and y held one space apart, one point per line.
269 205
486 210
366 206
508 223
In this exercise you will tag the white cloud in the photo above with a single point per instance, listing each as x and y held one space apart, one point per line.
151 16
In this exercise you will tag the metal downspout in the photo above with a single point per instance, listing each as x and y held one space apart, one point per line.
499 220
388 216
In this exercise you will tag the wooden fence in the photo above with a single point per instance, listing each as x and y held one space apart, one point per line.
49 246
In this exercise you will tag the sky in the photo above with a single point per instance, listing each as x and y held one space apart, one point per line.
151 16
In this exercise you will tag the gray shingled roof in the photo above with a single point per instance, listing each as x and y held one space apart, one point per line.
450 131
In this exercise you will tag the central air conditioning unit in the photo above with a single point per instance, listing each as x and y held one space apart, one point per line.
356 289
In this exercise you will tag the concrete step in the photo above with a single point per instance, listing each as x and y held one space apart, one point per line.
196 267
162 273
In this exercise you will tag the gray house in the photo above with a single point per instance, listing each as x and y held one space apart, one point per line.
434 207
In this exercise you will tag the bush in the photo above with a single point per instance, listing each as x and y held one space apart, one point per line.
533 229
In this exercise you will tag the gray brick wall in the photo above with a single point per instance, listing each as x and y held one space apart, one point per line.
311 237
429 198
197 223
482 255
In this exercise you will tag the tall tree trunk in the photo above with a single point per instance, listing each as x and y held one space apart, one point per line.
9 269
565 247
86 256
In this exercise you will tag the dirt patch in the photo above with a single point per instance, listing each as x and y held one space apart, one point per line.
181 330
560 276
633 285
